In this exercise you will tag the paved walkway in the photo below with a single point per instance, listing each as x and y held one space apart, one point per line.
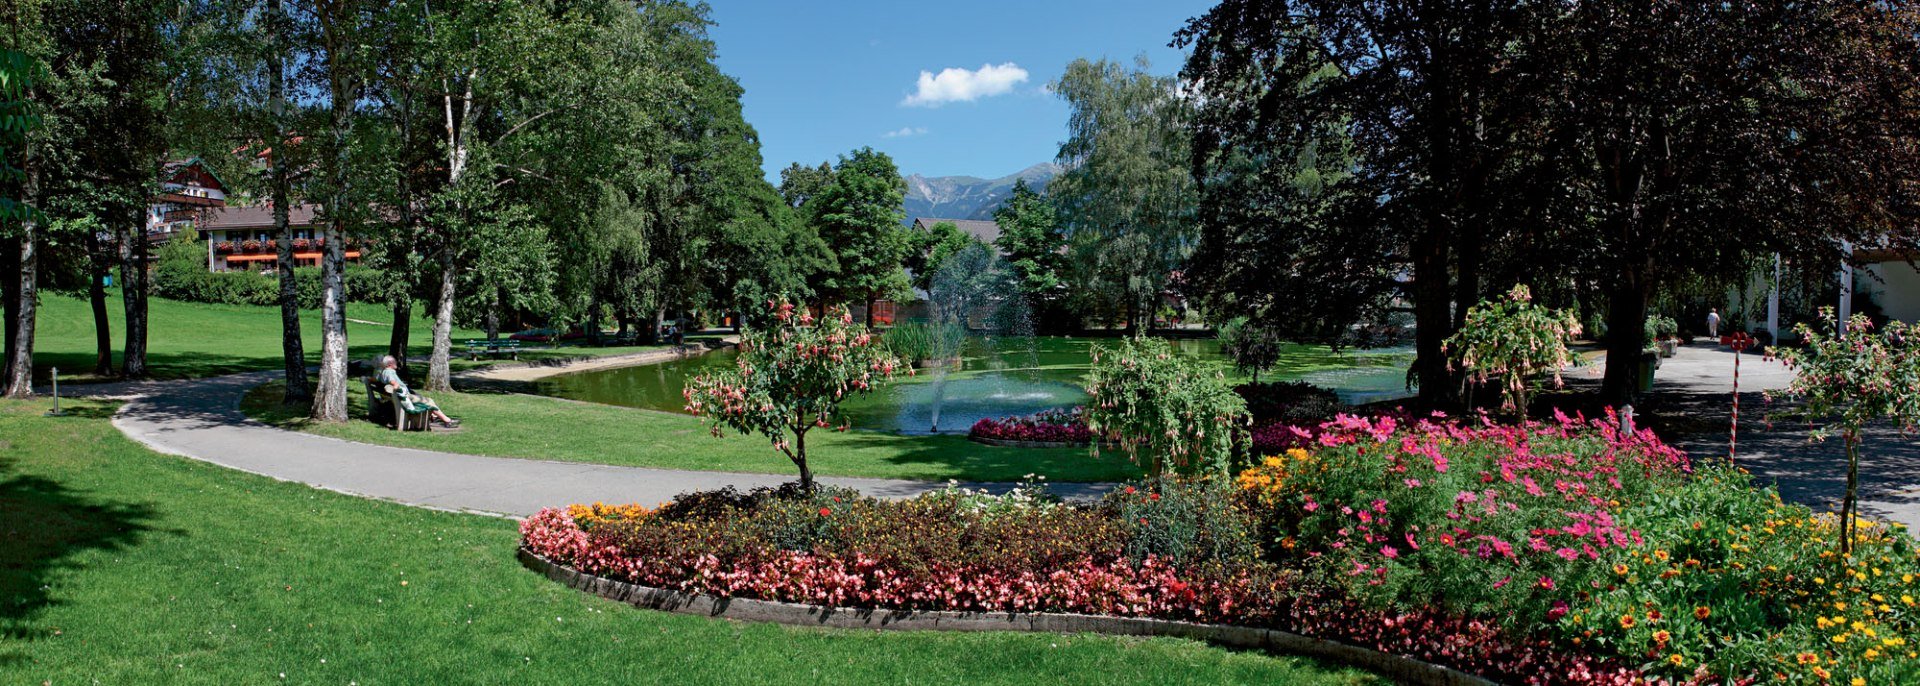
1693 391
201 420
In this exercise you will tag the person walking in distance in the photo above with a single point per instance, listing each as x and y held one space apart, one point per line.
1713 323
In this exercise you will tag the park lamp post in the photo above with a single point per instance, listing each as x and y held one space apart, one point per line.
55 412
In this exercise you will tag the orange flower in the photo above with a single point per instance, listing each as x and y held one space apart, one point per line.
1676 659
1661 636
1627 621
1702 612
1807 658
1620 569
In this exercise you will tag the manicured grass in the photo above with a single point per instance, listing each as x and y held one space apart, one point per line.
190 340
119 565
526 426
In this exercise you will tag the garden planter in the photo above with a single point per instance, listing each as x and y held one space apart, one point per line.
1649 361
1667 347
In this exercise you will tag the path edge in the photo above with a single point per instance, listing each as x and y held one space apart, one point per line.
1399 668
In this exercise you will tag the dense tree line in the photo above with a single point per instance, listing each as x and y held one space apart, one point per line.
559 161
1357 158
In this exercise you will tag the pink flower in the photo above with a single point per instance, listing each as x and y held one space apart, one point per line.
1389 551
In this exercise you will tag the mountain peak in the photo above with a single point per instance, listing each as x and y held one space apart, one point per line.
969 197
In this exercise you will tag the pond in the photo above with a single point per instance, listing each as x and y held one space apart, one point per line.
995 378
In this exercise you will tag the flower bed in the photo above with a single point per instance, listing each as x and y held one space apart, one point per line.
1052 427
1559 552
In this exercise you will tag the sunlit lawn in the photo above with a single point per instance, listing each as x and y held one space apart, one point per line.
536 427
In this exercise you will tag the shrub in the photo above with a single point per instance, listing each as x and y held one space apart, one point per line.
790 378
1172 413
1291 402
1513 340
923 341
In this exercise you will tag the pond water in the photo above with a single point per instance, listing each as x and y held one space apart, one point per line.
995 378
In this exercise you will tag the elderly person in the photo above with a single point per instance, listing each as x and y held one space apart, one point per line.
390 379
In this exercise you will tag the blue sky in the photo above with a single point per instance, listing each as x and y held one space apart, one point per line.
823 78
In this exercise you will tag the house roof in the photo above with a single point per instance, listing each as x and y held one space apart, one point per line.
986 231
172 169
256 217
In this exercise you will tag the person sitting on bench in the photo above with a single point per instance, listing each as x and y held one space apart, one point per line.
390 379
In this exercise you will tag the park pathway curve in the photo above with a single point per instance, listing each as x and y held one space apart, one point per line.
201 419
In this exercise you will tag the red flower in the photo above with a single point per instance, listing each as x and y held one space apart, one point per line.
824 512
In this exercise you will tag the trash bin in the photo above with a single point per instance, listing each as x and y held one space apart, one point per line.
1649 361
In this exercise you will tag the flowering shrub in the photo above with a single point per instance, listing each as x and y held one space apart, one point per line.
1855 379
1051 426
948 550
1169 412
1513 340
1608 541
791 378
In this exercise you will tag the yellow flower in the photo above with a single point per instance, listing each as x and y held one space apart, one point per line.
1676 659
1661 555
1627 621
1661 636
1822 673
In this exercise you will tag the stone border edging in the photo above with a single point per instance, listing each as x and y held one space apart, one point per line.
1403 669
1008 443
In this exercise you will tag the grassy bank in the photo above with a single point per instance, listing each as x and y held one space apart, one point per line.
119 565
552 429
191 340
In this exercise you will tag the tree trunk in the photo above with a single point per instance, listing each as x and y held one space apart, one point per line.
800 460
402 332
20 349
439 378
10 292
293 352
1849 507
330 402
98 267
493 319
1433 322
869 313
133 296
1627 298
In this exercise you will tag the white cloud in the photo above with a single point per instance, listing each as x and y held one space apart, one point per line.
960 85
905 131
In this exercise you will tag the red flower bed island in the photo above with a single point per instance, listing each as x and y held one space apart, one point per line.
1552 553
1063 427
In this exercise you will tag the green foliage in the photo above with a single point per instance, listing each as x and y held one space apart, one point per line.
1184 521
790 378
1254 346
1126 199
1169 412
1660 328
858 214
1512 340
1853 380
17 121
1034 245
180 273
921 341
930 250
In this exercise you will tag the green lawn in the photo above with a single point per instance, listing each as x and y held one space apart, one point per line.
552 429
189 340
119 565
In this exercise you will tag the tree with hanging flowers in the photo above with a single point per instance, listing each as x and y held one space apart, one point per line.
1512 340
1852 380
790 378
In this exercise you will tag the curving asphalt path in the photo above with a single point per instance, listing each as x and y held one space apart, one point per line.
201 419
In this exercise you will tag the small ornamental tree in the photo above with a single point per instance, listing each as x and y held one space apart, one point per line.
1166 411
1253 347
1512 339
1854 380
790 378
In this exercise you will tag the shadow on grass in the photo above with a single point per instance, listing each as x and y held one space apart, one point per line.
1072 472
44 526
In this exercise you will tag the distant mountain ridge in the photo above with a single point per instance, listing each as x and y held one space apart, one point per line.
969 197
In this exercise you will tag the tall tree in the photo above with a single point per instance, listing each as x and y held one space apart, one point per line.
1702 136
19 175
859 215
1035 249
1125 199
1431 96
341 66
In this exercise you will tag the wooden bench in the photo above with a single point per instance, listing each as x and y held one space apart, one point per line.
384 410
492 347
